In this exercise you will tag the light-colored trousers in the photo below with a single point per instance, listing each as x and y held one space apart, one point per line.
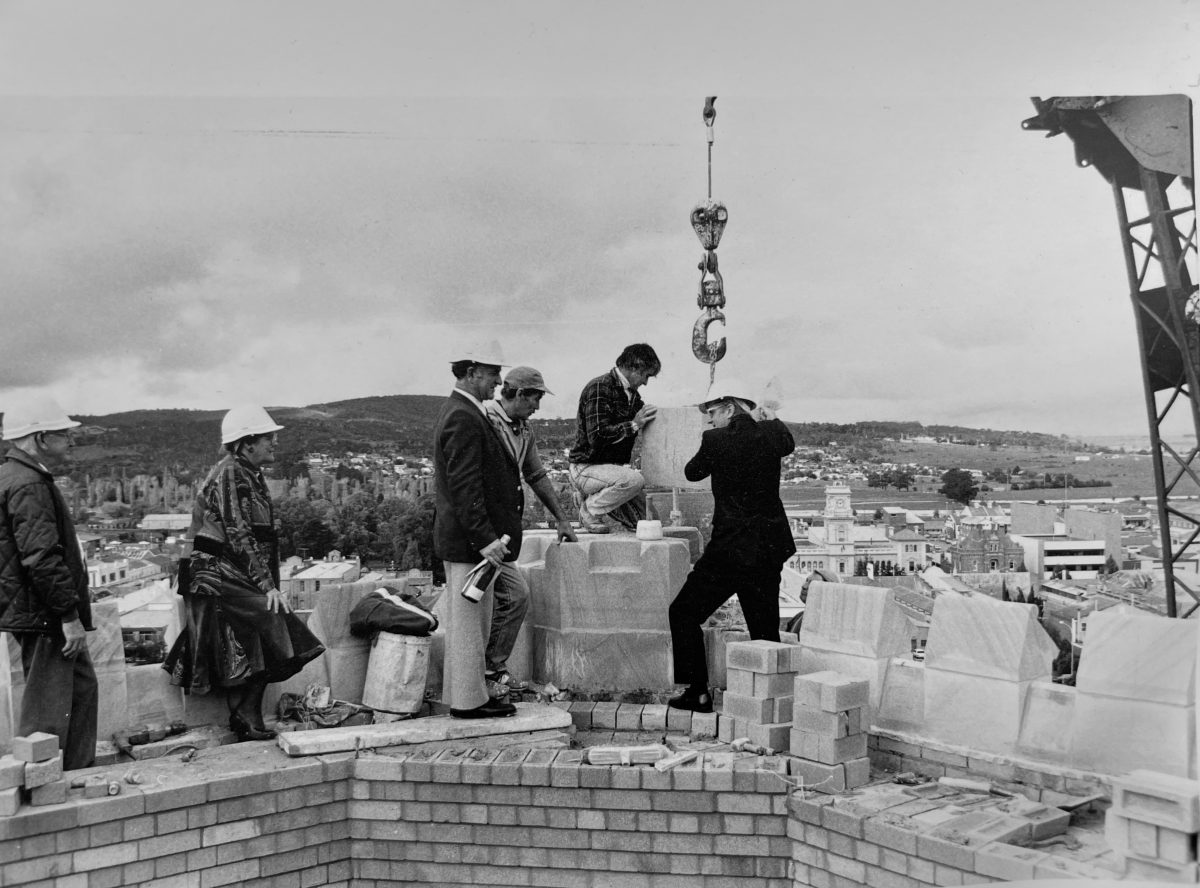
467 626
604 486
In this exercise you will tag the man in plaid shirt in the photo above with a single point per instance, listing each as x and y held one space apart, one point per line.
611 414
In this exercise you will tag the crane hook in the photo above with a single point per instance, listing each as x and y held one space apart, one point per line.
708 352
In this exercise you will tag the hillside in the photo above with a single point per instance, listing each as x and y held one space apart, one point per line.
186 441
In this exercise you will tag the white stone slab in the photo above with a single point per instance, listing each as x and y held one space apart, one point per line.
902 703
863 621
977 635
1045 726
529 717
1141 657
975 711
1114 736
668 443
106 647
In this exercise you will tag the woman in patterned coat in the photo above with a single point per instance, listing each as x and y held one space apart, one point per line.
241 634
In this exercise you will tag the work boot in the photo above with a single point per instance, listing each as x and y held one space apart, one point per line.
589 523
490 709
695 699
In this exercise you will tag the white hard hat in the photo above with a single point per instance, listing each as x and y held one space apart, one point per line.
722 389
34 413
246 420
485 352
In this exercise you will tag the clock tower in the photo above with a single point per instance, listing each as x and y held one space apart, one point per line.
839 528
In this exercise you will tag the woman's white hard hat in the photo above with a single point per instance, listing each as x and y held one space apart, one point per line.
34 413
246 420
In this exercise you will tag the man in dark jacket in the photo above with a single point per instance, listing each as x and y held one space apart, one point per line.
44 599
611 414
751 538
478 500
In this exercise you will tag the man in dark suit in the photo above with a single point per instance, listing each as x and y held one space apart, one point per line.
751 538
478 501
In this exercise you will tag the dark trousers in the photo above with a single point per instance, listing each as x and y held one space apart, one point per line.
61 697
707 587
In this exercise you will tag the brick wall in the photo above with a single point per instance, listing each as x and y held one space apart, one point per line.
516 817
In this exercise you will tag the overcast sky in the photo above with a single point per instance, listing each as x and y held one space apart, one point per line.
297 202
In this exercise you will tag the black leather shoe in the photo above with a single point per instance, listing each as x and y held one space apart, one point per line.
490 709
695 701
246 731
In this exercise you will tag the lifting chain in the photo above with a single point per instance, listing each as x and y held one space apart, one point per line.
708 220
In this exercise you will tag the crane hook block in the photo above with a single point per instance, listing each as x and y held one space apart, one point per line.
708 219
708 352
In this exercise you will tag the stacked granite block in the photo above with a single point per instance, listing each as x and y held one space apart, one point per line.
757 703
829 730
1153 824
33 772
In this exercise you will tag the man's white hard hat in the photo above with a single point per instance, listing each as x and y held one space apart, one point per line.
723 389
484 352
246 420
34 413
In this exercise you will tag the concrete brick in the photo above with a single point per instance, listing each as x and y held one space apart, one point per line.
775 737
1163 800
777 684
891 831
12 771
1175 846
535 770
739 681
690 775
950 848
1143 839
39 773
756 710
581 714
803 744
35 747
1161 870
784 708
1007 862
814 720
832 751
704 724
654 717
858 772
725 729
757 656
808 808
629 717
604 715
679 720
843 819
806 688
53 793
818 776
10 801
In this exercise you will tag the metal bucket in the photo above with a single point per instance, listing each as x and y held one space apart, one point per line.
396 673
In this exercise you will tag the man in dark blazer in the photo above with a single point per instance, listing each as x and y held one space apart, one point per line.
751 538
478 501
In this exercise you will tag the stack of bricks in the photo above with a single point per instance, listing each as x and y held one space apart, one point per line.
757 703
33 772
829 732
1153 824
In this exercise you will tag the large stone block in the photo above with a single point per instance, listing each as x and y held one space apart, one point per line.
975 711
107 650
1115 735
668 443
1045 726
902 703
854 630
151 697
346 656
599 612
978 635
602 661
1140 657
